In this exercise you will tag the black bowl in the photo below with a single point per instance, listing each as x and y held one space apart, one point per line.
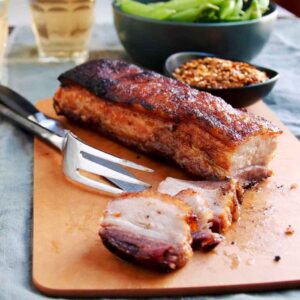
149 42
237 97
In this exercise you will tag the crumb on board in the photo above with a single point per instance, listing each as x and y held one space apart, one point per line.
293 186
250 261
117 214
277 258
289 230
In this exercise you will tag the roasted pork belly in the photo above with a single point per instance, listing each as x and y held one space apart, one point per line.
159 115
202 234
149 229
215 203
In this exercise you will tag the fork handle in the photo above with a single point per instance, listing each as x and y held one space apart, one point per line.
23 107
41 132
16 102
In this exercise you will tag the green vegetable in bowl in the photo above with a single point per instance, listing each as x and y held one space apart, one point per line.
227 8
153 11
256 9
197 10
193 14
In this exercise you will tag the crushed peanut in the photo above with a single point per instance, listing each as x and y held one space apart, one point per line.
211 72
293 186
117 214
289 230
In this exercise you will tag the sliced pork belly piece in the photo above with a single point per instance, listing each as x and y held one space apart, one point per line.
149 229
159 115
203 236
221 197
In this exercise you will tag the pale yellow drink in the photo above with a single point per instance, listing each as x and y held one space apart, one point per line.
62 28
3 28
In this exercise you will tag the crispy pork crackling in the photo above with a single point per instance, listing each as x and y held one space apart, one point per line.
159 115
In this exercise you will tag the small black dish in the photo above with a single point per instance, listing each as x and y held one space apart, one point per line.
237 97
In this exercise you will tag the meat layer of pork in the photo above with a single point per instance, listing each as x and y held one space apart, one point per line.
149 229
217 203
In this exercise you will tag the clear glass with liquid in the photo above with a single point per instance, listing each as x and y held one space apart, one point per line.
3 32
62 28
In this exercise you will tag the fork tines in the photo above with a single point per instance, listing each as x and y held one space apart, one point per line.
79 156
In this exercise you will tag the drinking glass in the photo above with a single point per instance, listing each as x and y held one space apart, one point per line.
62 28
3 32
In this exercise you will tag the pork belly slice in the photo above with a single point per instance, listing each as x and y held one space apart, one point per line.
149 229
203 236
159 115
215 202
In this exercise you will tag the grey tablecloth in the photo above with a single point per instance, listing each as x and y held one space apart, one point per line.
37 81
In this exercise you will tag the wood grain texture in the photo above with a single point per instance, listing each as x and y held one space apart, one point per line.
69 259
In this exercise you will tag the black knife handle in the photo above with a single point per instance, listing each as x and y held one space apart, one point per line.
16 102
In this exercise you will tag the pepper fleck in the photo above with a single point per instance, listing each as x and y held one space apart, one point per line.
277 258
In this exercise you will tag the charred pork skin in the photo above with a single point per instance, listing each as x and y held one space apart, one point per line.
159 115
149 229
215 203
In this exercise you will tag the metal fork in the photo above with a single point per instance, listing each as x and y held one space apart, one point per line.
76 154
25 108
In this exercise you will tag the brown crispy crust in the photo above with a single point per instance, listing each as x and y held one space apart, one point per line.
158 115
145 132
143 90
145 252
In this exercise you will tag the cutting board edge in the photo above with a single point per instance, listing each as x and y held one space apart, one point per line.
165 292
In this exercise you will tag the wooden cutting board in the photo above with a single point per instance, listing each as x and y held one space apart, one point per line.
69 259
